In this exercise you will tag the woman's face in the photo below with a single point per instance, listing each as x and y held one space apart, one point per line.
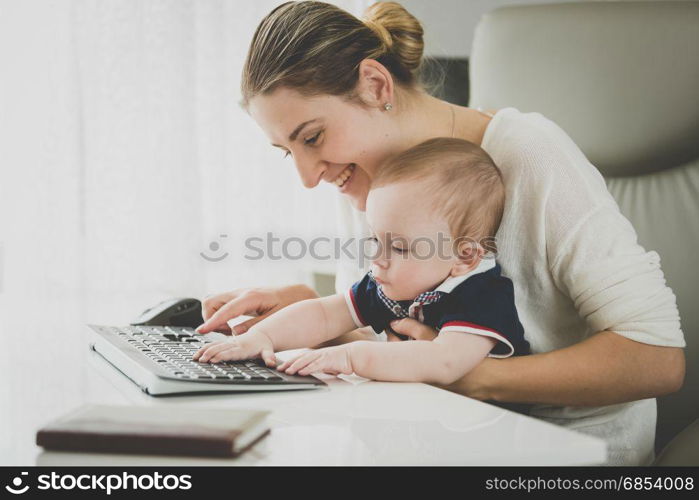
330 139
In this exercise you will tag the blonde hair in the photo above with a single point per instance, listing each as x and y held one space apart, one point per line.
316 48
461 180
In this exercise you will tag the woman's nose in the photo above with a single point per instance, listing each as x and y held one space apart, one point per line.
310 170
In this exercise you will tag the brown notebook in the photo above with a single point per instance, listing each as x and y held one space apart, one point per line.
159 430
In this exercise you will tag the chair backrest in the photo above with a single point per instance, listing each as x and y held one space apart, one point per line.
622 79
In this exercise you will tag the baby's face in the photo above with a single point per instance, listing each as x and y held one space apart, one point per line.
415 245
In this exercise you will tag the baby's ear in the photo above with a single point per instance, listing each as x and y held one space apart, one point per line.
469 255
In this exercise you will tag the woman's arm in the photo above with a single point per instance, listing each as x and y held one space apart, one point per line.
604 369
218 309
614 285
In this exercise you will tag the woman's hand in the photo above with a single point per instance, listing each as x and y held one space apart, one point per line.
412 329
217 310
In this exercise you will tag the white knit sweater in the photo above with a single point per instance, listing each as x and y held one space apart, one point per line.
576 266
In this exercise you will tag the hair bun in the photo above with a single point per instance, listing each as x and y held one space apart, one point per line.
399 31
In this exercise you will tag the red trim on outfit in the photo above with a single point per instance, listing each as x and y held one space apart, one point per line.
356 309
471 325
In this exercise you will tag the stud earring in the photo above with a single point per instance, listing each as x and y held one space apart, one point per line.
388 106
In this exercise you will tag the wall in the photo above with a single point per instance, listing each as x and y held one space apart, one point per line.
450 24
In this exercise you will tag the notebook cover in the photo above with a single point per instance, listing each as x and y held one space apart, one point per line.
154 430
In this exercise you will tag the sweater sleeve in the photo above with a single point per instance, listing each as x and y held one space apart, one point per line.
593 251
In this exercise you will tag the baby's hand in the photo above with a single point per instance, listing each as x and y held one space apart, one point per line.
331 360
249 345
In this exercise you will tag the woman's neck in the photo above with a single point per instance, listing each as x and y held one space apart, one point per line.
424 117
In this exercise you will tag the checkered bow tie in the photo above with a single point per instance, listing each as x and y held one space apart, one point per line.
415 309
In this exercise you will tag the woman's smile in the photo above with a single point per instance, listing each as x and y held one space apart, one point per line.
342 181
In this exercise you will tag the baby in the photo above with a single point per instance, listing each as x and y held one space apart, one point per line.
434 211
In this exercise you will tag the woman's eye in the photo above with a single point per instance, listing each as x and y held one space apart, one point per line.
399 250
312 140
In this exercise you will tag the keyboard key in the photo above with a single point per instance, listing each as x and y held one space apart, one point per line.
172 349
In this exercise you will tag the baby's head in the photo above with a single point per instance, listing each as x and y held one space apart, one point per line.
434 210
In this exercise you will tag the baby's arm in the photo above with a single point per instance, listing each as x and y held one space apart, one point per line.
307 323
302 324
444 360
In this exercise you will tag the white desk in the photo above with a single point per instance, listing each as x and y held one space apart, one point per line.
358 422
47 370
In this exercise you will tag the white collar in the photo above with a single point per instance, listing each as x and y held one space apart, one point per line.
453 281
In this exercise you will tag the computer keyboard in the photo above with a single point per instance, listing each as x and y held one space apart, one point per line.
159 359
174 347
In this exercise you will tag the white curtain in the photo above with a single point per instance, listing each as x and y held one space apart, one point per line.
125 154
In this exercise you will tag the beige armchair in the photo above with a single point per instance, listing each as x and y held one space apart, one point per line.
622 78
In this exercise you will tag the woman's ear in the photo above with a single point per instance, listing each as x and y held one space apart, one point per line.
375 84
468 257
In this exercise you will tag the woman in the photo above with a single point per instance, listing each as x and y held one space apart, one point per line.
339 95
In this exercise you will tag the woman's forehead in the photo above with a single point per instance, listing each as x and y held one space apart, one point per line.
283 109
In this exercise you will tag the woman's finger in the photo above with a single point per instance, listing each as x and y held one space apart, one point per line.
212 303
224 328
391 337
240 305
413 329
